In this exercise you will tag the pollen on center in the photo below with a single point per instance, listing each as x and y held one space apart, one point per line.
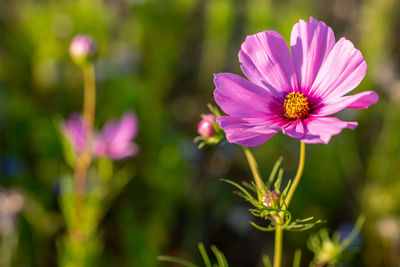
296 106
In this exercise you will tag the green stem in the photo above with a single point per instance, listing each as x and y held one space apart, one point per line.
89 108
278 246
89 102
8 244
255 171
279 230
299 172
84 159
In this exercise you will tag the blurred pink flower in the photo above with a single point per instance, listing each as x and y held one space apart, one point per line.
82 49
205 127
75 130
11 203
293 92
115 139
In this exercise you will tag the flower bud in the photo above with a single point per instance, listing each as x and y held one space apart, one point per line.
206 126
267 202
82 49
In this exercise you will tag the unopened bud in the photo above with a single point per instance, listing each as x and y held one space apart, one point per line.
206 126
82 49
267 202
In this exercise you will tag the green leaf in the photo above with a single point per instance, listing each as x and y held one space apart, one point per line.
353 235
222 262
68 151
177 260
198 138
284 193
288 218
299 225
240 194
277 185
105 168
214 110
204 255
251 186
261 228
255 212
304 220
273 172
273 209
297 258
239 187
266 261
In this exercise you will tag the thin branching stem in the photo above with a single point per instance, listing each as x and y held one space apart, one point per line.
299 173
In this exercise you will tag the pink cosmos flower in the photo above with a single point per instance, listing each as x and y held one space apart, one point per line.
76 132
293 92
114 141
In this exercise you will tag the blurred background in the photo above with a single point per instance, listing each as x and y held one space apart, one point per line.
157 57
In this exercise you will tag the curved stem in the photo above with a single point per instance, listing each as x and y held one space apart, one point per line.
255 171
299 172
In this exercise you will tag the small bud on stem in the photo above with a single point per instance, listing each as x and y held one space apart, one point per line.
83 50
267 201
206 126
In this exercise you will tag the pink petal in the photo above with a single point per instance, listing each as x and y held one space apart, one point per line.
108 130
310 43
76 131
99 146
115 140
247 132
341 72
123 150
127 128
321 129
294 128
116 151
357 101
238 97
266 61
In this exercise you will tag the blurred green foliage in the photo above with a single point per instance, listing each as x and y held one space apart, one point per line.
158 57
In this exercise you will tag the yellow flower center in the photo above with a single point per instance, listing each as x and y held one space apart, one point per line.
296 105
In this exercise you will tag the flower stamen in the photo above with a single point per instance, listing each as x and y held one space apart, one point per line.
296 106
